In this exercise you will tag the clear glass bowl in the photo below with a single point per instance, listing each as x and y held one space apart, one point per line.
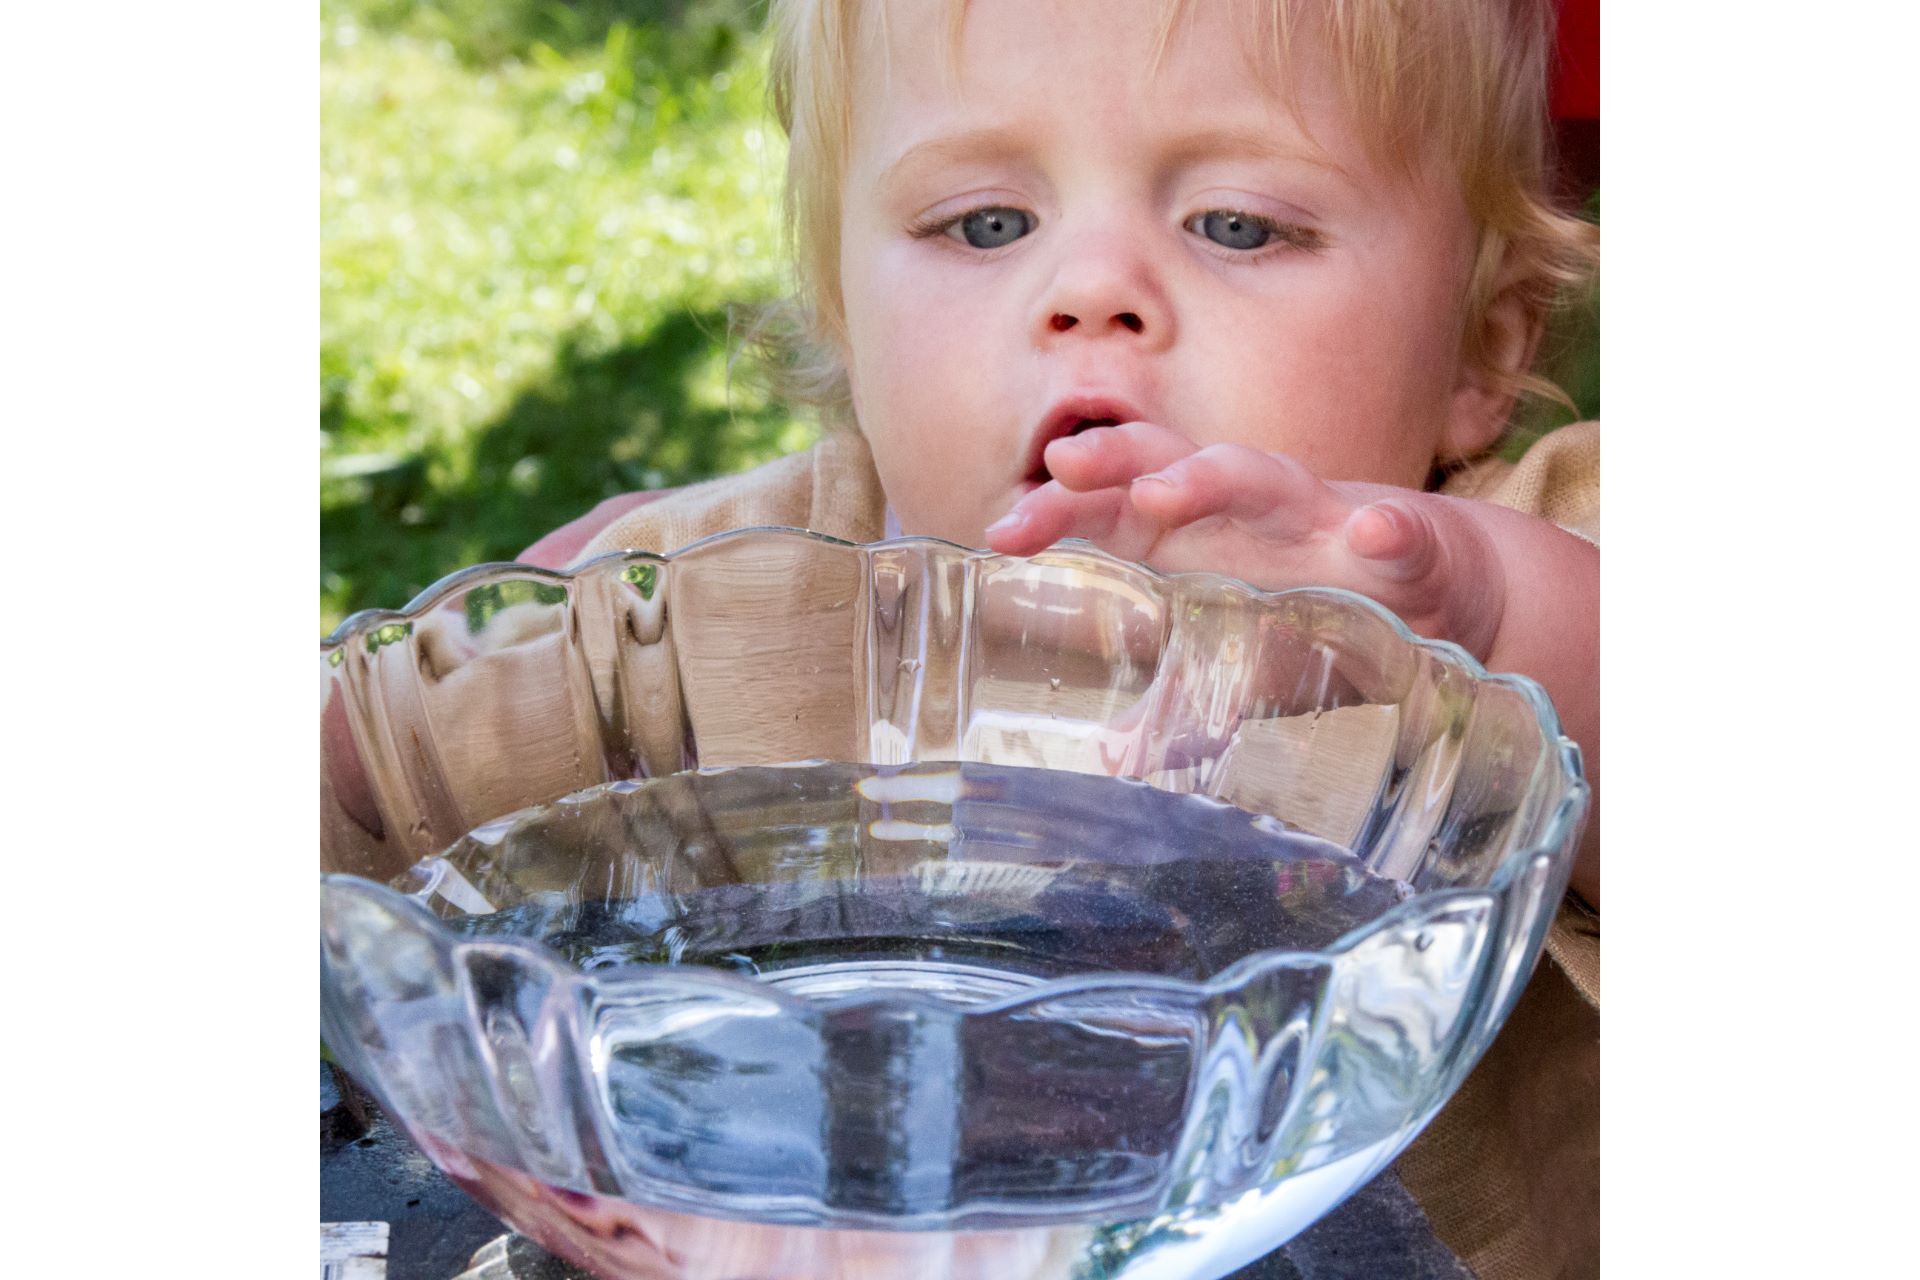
919 911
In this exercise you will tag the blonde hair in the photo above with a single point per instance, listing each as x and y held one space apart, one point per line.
1469 77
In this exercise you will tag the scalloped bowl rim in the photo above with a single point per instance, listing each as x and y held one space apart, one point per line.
614 982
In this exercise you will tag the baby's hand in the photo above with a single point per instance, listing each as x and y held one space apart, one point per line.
1144 493
1514 590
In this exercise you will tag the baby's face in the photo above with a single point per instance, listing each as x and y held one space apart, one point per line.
1064 237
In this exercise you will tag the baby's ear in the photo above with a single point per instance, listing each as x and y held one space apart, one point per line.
1484 393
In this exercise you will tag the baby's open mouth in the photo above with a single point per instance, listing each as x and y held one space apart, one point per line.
1040 474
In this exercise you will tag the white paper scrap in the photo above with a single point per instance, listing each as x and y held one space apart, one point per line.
353 1251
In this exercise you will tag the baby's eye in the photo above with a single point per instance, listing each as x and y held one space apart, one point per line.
991 228
1232 230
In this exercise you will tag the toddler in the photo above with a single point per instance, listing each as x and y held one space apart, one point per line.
1247 286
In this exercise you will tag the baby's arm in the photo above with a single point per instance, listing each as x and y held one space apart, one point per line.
1516 591
563 546
1550 630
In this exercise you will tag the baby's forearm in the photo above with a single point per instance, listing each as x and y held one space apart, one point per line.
1550 631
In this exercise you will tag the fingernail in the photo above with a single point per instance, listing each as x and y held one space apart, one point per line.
1008 522
1382 513
1155 477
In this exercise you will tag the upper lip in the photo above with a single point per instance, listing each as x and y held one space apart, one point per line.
1066 416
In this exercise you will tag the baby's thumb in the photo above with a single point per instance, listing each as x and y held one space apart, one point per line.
1397 542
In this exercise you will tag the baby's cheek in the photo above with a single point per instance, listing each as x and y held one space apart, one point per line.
1360 401
937 461
903 476
1357 371
924 493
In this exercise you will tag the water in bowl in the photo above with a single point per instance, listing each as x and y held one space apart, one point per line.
919 1069
966 882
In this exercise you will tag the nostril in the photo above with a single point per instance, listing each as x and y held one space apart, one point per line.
1062 323
1131 321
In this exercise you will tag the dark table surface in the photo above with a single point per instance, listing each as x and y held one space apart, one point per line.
369 1172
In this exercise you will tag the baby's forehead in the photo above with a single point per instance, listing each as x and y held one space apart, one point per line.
962 45
1083 71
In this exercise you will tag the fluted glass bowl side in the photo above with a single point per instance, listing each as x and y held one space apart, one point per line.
506 687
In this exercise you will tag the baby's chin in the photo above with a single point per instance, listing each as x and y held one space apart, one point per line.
965 527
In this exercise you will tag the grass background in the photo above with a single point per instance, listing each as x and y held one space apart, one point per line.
534 216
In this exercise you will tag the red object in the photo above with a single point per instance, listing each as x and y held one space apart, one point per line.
1576 63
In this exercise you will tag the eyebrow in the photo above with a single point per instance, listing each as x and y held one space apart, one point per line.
1190 148
952 148
1256 144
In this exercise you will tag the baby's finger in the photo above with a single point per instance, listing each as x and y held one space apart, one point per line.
1274 496
1397 542
1104 456
1053 512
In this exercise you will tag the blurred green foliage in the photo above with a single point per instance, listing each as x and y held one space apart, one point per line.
534 218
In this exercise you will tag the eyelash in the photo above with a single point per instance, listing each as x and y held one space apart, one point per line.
926 228
1286 235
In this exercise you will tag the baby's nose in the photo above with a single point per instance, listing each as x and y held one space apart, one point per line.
1062 322
1105 290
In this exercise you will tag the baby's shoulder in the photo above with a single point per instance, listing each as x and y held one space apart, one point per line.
830 488
1557 478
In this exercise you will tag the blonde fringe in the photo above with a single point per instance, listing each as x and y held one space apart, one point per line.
781 341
